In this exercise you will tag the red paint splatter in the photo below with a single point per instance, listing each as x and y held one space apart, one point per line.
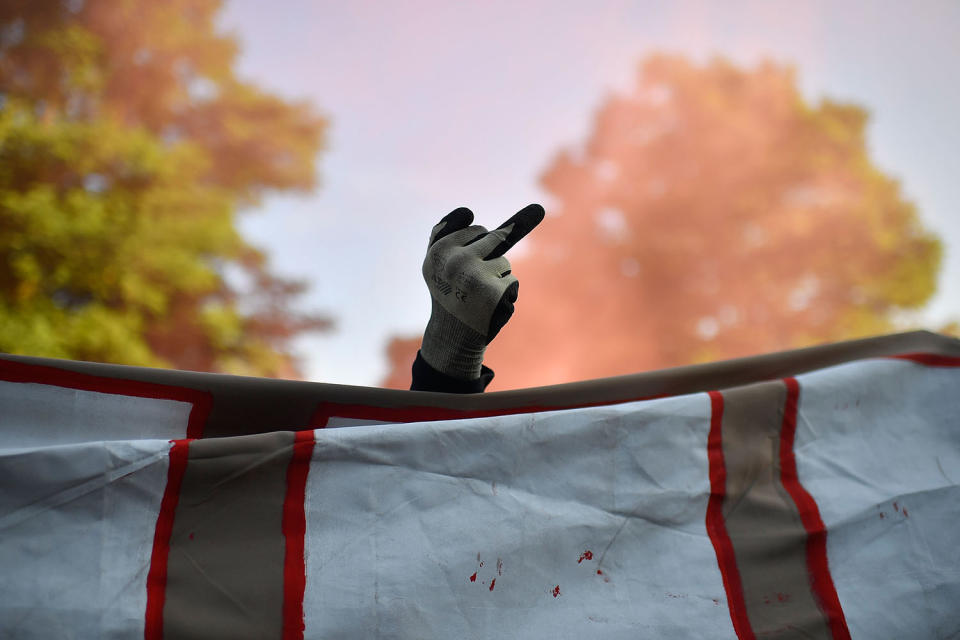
783 597
882 515
473 578
492 582
896 508
191 536
556 591
586 555
905 512
599 572
499 567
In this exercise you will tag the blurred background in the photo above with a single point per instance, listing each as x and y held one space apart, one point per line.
248 187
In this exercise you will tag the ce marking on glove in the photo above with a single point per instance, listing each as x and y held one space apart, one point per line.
461 296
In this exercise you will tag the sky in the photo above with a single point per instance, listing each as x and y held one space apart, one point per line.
437 104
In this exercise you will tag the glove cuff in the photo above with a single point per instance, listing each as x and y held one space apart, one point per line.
426 378
451 347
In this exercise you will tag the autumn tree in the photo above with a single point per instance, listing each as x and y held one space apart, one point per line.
711 213
127 148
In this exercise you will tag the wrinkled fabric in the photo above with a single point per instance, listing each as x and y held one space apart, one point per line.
586 522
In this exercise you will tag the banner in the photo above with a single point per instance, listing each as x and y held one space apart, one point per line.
804 494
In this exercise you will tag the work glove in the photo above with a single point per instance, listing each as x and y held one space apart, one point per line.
471 287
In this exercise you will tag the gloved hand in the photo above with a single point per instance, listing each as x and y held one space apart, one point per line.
471 286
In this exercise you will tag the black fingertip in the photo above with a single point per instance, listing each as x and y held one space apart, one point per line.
530 216
513 291
534 213
460 212
459 218
503 311
523 222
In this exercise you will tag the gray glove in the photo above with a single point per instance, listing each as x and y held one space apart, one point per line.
471 287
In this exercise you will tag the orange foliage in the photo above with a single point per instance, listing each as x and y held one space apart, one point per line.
127 147
712 213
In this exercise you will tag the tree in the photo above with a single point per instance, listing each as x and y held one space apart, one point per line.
127 146
712 213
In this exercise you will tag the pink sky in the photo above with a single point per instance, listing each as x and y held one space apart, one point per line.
436 104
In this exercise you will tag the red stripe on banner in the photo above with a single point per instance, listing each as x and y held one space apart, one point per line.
294 528
817 564
202 401
929 359
157 577
716 527
326 410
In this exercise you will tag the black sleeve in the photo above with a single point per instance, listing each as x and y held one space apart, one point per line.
426 378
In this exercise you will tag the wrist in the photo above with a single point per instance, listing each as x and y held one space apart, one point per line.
426 378
451 347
